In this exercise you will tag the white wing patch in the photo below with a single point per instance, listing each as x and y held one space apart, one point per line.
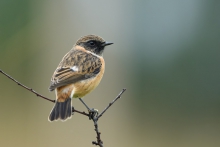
75 68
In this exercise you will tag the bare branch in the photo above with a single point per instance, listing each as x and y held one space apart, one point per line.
109 105
37 94
99 142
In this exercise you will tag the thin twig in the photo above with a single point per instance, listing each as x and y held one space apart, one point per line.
31 90
83 113
109 105
37 94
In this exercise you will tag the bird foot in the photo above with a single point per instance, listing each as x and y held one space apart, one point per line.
93 113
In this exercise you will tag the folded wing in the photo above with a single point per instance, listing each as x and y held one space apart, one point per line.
75 66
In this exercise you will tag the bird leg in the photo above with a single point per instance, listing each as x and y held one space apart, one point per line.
92 112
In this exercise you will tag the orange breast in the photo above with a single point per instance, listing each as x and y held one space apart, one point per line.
82 88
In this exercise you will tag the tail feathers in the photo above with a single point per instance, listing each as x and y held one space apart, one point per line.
61 110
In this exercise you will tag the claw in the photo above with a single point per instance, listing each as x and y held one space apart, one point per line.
93 113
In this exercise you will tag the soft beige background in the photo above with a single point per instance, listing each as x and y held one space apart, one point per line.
166 54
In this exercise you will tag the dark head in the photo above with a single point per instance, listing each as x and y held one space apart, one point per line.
93 43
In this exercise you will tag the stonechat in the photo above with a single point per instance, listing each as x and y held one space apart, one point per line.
79 72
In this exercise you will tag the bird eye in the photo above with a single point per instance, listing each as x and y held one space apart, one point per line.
92 43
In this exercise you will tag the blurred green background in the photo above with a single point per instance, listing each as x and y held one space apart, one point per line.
166 53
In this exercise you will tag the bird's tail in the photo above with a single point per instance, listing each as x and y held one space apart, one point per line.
61 110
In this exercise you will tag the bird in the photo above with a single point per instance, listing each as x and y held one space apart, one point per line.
79 72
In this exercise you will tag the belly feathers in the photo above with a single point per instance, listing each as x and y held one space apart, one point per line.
86 86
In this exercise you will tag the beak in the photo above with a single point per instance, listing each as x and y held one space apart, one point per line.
106 43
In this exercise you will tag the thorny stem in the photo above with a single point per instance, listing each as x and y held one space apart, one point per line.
95 119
